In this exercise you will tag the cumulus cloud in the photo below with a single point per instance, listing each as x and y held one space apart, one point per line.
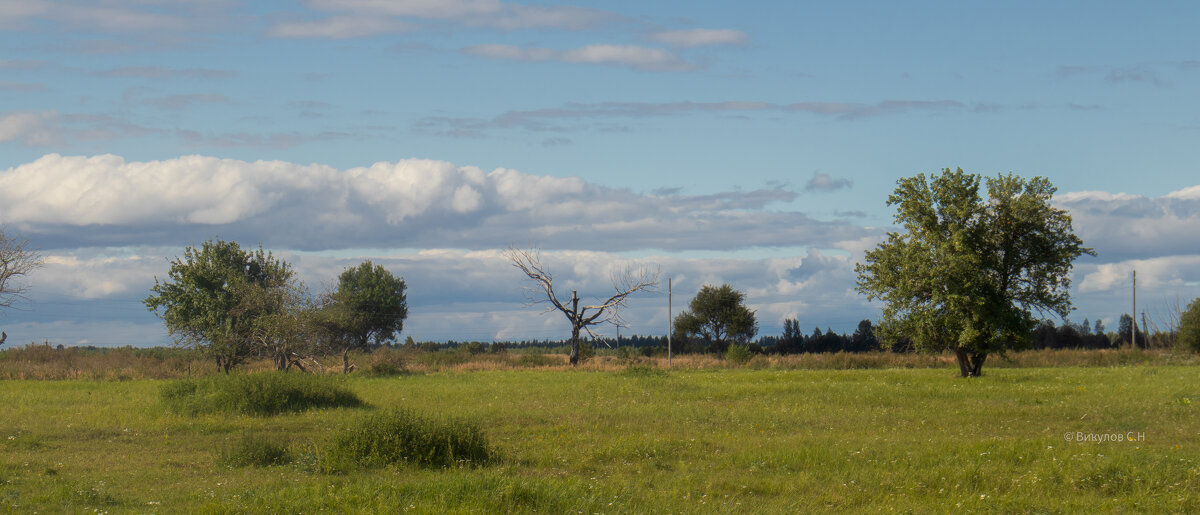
74 200
1123 226
631 56
699 37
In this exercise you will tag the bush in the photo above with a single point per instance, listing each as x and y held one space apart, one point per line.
261 394
537 360
586 351
738 354
256 451
401 436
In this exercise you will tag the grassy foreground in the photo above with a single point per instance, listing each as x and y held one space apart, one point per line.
641 441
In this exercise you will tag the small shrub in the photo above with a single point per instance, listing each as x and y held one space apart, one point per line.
586 352
256 451
261 394
738 354
386 364
401 436
537 360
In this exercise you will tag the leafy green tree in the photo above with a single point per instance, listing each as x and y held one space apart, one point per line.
1189 327
283 330
203 301
368 308
718 317
967 273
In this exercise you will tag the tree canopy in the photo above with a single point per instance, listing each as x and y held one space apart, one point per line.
967 273
717 317
204 303
1189 327
368 308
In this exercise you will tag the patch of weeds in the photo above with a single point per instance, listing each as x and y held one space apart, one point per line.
643 371
260 394
88 497
537 360
404 437
256 451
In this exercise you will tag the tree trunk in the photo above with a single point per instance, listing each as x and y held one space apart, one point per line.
574 358
345 361
964 362
977 363
970 365
575 327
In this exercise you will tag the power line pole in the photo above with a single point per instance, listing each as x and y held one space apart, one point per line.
1133 316
670 321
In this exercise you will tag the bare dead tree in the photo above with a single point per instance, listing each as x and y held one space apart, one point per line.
17 260
582 318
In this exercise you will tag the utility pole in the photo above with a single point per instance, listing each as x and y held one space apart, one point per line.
670 322
1133 316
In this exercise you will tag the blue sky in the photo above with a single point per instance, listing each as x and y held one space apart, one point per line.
753 144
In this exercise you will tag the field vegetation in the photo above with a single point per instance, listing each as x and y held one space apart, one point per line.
1045 431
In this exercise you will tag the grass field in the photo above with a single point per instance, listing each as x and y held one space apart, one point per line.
641 440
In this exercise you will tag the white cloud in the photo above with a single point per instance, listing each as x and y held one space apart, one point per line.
826 183
1165 272
338 27
359 18
29 128
700 37
71 201
1122 226
632 56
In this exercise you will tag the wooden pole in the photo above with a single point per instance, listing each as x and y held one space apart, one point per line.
1133 316
670 322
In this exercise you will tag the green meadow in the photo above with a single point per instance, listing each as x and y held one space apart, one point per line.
638 440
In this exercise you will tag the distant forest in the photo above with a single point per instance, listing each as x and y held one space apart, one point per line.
1046 335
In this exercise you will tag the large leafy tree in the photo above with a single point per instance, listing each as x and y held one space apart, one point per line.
967 274
368 307
717 317
1189 327
203 302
